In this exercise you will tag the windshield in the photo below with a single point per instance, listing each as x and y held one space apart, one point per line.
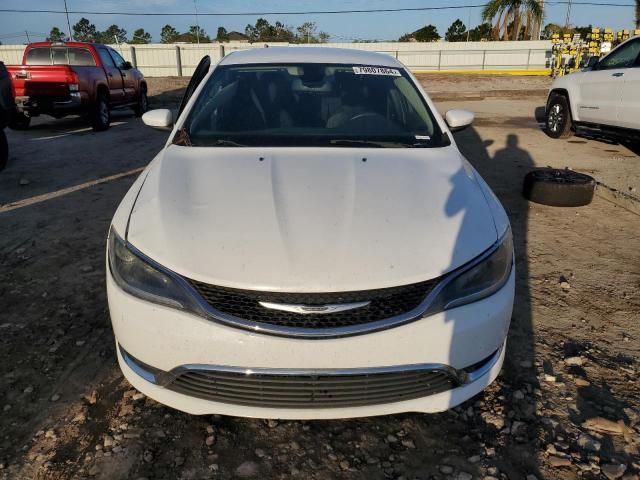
310 105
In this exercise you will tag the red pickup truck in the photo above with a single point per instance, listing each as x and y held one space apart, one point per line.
71 78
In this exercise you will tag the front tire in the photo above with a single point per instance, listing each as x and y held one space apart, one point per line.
101 115
143 103
19 121
558 121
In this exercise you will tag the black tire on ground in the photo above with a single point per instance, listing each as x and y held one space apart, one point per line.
4 150
101 115
558 121
143 103
19 121
558 188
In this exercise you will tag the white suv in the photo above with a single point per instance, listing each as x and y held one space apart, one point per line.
605 96
310 243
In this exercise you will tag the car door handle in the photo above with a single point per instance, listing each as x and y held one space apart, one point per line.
110 74
619 74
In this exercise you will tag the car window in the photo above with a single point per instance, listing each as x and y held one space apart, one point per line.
38 56
311 105
117 57
107 61
623 57
72 56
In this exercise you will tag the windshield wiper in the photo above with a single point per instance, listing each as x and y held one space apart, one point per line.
379 144
224 142
363 143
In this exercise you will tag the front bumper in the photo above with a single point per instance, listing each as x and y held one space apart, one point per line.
168 339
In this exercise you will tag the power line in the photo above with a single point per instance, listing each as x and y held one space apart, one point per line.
308 12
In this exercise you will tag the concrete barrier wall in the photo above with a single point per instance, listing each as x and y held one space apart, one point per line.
161 60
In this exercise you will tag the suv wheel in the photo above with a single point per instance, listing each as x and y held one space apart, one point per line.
558 118
101 116
143 104
19 121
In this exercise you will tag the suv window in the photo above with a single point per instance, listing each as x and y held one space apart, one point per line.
107 61
623 57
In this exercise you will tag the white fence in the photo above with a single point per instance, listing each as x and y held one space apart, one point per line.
162 60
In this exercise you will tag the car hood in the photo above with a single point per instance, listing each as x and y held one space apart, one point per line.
313 220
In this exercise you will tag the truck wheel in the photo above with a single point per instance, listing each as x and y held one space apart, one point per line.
19 121
558 120
101 116
4 150
558 188
143 104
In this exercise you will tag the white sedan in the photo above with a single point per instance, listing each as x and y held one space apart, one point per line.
310 243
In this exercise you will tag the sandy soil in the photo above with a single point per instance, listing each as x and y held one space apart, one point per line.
566 405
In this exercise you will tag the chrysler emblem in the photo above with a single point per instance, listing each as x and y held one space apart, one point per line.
314 309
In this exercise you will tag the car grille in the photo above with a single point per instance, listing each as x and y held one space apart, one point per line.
384 303
311 391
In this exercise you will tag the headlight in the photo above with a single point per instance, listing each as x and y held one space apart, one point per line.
143 278
478 280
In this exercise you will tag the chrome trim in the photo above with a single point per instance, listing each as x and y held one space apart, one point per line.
426 307
162 378
314 309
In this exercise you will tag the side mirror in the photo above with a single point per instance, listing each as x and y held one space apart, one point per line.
592 62
126 66
459 119
161 118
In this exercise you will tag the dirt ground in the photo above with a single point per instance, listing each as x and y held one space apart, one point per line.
566 405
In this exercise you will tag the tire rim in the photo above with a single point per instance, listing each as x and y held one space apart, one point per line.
555 118
104 113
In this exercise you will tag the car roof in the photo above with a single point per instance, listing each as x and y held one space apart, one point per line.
310 55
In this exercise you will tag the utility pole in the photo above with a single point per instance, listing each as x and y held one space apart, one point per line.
568 19
469 25
68 22
195 6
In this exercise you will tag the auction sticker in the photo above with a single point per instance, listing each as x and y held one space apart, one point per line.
392 72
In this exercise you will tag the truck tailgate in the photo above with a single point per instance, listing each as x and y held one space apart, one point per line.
41 80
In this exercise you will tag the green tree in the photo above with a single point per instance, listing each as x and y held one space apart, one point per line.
140 36
85 31
263 31
56 35
198 34
481 32
323 37
512 12
306 32
428 33
457 32
168 34
222 35
113 33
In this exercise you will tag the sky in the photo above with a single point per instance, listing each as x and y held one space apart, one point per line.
342 27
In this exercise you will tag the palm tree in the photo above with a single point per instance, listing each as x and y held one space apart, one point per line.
506 12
